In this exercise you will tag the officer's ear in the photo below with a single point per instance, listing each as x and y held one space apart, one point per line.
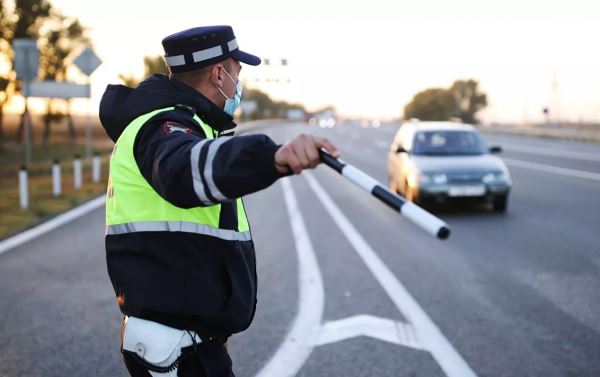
216 74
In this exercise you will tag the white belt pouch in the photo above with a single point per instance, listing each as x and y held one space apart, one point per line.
158 345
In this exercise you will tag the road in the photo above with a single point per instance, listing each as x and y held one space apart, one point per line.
515 294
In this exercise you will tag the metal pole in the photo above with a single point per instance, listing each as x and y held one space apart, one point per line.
23 188
27 127
96 169
56 179
77 172
88 129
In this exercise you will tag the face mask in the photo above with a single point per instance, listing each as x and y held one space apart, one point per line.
231 104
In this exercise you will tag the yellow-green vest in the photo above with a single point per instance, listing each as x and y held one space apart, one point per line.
132 205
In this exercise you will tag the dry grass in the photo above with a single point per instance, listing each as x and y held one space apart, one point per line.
42 203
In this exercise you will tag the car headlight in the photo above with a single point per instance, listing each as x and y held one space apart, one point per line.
494 177
440 179
436 178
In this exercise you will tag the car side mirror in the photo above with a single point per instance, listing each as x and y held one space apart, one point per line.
495 149
401 149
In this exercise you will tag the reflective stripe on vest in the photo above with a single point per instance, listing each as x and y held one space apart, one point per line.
132 205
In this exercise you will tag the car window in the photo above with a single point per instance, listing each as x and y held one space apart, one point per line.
448 143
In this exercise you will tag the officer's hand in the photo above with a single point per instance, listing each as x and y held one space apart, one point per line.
301 153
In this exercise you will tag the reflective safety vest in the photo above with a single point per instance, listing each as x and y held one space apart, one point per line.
132 205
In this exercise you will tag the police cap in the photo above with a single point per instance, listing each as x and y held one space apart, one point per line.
203 46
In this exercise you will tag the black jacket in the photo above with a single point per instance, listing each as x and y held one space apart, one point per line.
186 280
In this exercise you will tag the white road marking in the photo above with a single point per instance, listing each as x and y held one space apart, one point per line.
52 224
552 169
551 152
429 335
383 329
297 345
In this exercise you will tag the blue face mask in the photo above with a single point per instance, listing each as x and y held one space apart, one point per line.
231 104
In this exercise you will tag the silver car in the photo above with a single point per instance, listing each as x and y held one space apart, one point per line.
433 162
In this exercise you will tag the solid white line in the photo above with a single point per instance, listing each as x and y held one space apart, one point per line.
49 225
553 169
551 152
298 345
428 333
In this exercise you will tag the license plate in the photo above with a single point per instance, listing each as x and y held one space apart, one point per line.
478 190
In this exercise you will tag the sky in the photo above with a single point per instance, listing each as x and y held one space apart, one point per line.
369 58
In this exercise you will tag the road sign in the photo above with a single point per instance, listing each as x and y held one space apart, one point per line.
87 61
58 89
26 58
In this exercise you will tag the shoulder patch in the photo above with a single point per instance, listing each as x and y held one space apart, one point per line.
174 127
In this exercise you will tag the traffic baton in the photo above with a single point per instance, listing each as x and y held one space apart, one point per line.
413 212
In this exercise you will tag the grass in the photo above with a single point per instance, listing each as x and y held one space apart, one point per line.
42 203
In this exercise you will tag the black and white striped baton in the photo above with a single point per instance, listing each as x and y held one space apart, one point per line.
414 213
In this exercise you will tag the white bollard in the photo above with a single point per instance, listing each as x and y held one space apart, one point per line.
23 188
96 169
77 172
56 179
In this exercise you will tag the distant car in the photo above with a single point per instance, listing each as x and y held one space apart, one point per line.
433 162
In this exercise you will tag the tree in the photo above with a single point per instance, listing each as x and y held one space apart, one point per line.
152 64
462 100
19 19
155 64
57 37
468 100
431 104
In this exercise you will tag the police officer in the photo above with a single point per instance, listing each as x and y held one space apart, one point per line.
178 245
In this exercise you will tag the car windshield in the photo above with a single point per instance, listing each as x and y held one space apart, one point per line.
448 143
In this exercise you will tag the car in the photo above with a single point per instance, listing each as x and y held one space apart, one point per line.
434 162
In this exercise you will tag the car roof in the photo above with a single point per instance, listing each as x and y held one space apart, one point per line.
438 126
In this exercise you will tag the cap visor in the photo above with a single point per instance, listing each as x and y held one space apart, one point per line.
245 57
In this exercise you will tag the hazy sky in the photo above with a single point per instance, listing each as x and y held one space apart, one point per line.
369 58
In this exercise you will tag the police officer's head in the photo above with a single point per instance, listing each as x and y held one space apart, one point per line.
208 59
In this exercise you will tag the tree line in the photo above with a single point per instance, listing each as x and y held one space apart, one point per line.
461 100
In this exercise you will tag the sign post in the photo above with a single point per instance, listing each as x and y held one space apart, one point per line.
26 64
88 62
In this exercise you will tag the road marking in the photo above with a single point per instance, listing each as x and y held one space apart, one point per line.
427 332
552 152
552 169
49 225
297 345
383 329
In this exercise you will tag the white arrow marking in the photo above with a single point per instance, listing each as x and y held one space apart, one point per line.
366 325
428 333
296 346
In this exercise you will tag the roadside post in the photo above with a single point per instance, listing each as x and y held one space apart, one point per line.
56 178
23 188
96 169
77 172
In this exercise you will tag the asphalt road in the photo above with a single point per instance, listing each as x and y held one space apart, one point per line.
515 294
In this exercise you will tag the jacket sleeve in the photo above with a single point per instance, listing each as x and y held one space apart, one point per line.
188 170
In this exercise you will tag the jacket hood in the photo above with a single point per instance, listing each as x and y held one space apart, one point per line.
120 104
